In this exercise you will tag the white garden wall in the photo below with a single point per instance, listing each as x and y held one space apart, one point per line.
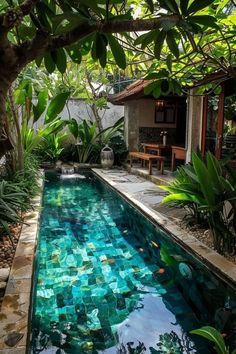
80 110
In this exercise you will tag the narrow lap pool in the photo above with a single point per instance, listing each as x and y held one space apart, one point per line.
109 281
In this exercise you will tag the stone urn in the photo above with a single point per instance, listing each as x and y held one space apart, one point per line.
107 157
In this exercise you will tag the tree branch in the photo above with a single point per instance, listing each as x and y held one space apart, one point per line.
14 15
44 42
28 6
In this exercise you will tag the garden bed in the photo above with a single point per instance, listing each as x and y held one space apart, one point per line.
204 235
7 251
8 245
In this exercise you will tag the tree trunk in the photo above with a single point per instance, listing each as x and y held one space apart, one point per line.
97 117
19 146
5 141
9 70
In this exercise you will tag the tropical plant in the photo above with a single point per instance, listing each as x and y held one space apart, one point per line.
119 148
109 133
213 335
32 139
12 199
203 189
51 147
33 105
85 134
89 140
27 179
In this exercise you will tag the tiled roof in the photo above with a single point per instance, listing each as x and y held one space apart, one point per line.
133 91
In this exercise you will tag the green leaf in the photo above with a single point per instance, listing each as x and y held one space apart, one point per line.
148 89
117 51
56 106
26 32
44 14
19 96
145 39
67 21
159 43
184 6
103 58
157 90
213 335
180 197
170 5
98 50
167 258
61 61
204 179
150 5
73 127
215 173
74 53
163 73
165 87
41 104
198 5
86 44
169 62
38 61
205 20
171 42
49 63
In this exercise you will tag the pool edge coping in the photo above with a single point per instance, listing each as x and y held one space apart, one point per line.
218 264
15 314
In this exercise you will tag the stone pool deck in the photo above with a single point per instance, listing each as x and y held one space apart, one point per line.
147 197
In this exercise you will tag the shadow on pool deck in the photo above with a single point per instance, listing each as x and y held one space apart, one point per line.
149 193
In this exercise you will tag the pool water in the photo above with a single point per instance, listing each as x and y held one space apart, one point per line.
109 281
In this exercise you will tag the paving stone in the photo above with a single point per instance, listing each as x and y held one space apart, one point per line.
3 285
13 338
4 274
16 286
19 350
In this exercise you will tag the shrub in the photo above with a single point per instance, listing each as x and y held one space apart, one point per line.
204 191
51 147
27 179
12 200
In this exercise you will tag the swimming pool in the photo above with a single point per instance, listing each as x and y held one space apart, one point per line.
108 280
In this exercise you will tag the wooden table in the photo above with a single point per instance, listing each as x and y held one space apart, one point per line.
158 148
178 153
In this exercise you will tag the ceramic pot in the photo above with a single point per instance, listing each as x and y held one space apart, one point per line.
107 157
